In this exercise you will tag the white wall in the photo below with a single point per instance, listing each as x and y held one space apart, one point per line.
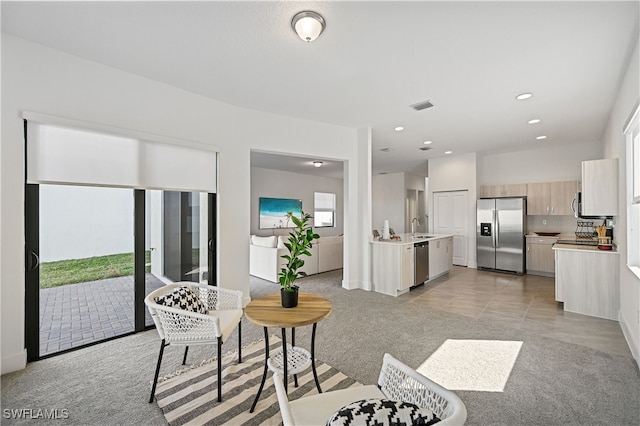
546 163
78 222
279 184
614 147
388 198
44 80
455 173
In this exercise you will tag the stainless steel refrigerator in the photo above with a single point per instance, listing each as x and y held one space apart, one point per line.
501 234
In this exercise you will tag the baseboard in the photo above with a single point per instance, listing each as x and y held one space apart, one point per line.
14 362
634 345
350 285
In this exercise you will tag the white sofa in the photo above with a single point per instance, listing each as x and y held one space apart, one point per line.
265 256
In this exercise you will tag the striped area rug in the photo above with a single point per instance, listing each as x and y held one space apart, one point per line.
189 397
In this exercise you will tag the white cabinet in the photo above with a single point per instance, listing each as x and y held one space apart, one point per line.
440 257
540 256
600 187
551 198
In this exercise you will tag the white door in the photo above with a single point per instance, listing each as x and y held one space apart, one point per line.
450 214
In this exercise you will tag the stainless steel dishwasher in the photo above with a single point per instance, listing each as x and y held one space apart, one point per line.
421 268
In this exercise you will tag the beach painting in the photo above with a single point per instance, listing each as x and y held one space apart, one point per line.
273 212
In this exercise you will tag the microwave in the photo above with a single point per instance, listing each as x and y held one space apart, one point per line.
576 207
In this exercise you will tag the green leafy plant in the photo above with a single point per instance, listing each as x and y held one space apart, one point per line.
299 243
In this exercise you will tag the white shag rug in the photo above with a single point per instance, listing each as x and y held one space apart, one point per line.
477 365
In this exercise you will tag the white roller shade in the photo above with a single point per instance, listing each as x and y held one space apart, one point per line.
66 155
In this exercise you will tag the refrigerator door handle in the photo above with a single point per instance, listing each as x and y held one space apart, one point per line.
494 235
497 233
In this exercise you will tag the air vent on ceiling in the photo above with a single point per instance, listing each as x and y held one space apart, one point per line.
424 148
385 149
422 105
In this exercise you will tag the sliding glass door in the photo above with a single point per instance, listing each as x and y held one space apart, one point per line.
97 252
98 239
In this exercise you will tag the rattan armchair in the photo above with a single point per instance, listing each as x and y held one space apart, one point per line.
182 327
396 382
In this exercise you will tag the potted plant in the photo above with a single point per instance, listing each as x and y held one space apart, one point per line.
299 243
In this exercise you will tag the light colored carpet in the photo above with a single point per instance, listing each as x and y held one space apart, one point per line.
475 365
190 395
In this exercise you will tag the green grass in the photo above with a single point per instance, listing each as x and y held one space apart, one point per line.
62 272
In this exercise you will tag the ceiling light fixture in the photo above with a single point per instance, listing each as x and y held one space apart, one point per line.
427 142
399 129
534 121
523 96
448 152
541 138
318 163
308 25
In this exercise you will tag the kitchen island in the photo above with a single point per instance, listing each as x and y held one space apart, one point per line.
393 261
587 280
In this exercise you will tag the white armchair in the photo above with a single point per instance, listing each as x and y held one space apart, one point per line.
186 313
396 382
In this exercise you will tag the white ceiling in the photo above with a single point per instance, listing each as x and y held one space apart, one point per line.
375 58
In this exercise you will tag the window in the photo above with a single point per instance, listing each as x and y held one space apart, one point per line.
324 211
632 132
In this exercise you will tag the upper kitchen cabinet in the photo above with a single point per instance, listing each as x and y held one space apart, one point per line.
600 187
495 191
551 198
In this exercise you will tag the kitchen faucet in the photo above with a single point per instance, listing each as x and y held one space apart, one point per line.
413 228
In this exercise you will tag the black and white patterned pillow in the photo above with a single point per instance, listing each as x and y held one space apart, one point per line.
381 412
182 298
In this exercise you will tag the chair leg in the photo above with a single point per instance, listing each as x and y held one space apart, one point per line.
155 378
240 342
219 369
184 359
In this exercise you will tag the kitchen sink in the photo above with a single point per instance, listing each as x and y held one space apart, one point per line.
423 236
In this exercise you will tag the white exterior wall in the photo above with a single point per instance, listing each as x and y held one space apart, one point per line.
80 222
615 147
47 81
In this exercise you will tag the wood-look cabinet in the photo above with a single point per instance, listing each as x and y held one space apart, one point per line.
440 257
540 256
587 282
392 268
600 187
512 190
551 198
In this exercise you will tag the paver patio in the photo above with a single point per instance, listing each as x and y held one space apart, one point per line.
77 314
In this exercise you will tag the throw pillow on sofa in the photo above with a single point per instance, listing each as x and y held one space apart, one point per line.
264 241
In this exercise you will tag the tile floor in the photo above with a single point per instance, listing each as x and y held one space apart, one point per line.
524 302
77 314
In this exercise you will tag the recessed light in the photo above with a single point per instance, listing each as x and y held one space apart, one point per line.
534 121
523 96
427 142
448 152
399 129
317 163
541 137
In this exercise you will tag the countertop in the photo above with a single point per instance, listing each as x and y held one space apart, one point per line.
408 239
580 247
570 236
